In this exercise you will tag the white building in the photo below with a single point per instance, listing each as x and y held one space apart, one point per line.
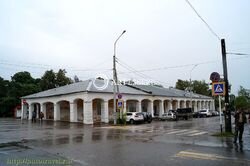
86 102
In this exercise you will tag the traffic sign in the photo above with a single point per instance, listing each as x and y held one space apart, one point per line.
218 88
120 104
215 77
119 96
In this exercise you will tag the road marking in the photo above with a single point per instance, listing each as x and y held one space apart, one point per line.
200 133
207 156
178 131
189 132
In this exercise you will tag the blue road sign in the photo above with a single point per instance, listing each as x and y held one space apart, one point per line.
218 89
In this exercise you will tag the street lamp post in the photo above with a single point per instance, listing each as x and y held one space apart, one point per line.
115 82
190 82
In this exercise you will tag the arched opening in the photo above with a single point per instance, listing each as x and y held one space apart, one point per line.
145 105
35 110
78 107
111 110
167 106
132 106
49 110
174 104
98 110
182 104
188 104
156 107
64 108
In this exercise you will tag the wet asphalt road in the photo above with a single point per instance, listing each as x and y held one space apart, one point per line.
159 143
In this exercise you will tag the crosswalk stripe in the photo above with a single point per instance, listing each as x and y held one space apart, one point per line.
189 132
178 131
200 133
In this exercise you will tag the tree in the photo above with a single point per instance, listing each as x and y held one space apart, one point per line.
61 78
3 87
200 87
182 84
243 99
21 84
48 80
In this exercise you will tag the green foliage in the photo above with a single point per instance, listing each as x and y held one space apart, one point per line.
51 80
200 87
122 121
23 84
182 84
48 80
243 99
61 78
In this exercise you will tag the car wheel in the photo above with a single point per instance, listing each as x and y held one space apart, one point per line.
132 121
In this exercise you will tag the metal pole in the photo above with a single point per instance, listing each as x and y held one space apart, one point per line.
191 92
115 79
228 125
114 91
220 114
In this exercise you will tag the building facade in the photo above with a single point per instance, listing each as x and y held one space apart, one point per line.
91 102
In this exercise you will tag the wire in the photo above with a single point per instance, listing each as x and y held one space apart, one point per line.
138 73
177 66
235 53
208 26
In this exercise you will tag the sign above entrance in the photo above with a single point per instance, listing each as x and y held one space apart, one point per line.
218 88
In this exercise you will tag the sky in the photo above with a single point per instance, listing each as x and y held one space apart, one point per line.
164 39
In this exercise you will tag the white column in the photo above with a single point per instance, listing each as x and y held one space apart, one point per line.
178 104
184 104
37 110
31 109
88 112
73 112
138 107
106 111
151 106
170 105
23 110
195 106
161 108
56 112
124 106
199 106
43 110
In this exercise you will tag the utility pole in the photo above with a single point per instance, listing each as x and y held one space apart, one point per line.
115 79
228 125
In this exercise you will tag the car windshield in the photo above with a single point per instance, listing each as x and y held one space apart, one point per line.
203 111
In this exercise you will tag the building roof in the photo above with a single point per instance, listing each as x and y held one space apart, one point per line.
169 92
91 85
95 85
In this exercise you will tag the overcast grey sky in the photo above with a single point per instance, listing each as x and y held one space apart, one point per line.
77 35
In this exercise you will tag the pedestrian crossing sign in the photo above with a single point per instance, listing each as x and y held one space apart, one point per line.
218 88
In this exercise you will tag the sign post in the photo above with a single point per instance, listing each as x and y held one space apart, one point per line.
120 104
218 89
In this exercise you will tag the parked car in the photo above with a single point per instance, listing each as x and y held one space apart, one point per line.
184 113
196 114
205 113
170 116
215 113
147 117
133 117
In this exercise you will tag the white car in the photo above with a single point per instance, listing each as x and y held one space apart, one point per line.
205 113
168 116
133 117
